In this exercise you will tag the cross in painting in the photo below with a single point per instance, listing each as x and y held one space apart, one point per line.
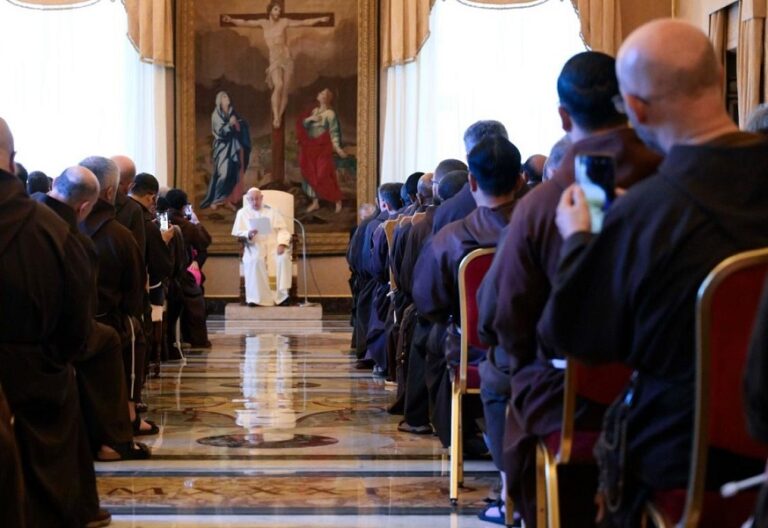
275 23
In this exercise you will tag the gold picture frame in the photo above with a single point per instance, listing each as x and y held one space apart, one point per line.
189 121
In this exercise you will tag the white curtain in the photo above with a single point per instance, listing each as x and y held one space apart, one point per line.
74 86
477 64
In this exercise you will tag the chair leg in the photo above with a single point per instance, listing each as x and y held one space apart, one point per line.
541 486
509 506
553 491
455 449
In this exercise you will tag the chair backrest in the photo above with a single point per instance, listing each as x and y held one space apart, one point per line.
283 202
727 303
600 384
472 269
389 231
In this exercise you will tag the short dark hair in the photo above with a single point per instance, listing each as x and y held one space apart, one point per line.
495 163
390 194
162 204
446 166
21 172
451 184
586 86
176 199
37 182
412 184
144 184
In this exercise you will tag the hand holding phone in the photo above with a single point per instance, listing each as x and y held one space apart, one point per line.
596 175
163 218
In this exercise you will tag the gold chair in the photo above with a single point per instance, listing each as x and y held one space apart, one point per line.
727 303
465 378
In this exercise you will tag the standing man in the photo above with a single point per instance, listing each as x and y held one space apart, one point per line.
127 212
260 247
122 282
44 324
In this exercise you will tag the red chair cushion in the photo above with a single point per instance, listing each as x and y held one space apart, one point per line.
473 275
473 376
718 512
581 450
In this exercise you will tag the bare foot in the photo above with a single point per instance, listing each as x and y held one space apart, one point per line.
338 207
314 206
107 453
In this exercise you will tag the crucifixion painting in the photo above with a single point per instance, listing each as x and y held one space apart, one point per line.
276 107
275 25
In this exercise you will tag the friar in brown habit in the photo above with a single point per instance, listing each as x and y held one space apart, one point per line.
43 324
122 282
127 211
103 394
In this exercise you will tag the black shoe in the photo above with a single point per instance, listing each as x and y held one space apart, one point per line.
364 364
286 302
475 449
252 305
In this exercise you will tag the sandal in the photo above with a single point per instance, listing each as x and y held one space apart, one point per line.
141 407
138 431
128 451
495 513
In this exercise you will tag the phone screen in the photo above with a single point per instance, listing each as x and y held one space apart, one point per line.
596 174
163 217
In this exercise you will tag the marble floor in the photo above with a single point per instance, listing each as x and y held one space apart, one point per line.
273 427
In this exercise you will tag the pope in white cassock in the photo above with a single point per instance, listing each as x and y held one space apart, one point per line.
262 246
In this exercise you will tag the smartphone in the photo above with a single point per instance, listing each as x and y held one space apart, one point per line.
596 174
188 211
163 218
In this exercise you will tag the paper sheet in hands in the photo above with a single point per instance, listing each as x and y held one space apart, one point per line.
262 225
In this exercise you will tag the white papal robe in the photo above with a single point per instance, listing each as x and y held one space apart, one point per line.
258 249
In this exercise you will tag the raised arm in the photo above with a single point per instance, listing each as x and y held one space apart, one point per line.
259 22
308 21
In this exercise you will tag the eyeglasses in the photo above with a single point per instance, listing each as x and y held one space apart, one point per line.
621 105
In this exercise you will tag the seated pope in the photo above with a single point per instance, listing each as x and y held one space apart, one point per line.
271 244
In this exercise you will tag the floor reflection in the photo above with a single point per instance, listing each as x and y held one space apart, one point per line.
275 419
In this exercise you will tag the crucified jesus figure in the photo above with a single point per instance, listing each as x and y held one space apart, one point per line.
280 71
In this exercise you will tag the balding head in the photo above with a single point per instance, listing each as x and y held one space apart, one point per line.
77 187
424 188
670 80
533 169
127 169
6 148
106 172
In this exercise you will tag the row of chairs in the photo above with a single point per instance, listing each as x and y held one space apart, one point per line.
727 303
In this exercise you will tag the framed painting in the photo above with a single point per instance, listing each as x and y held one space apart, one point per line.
280 95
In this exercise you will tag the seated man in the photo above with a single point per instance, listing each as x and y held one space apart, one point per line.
258 248
629 293
494 179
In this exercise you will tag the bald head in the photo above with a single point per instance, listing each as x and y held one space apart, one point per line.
424 188
533 169
106 172
6 148
77 187
671 84
667 58
127 171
